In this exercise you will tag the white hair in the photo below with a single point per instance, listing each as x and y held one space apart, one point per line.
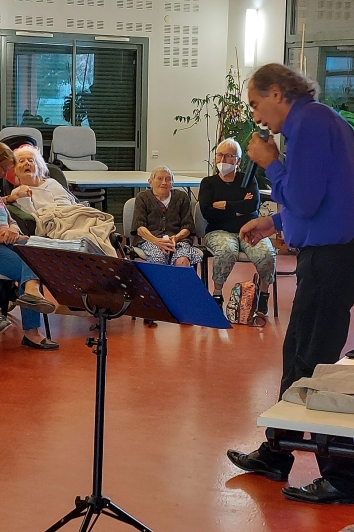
40 162
161 169
234 144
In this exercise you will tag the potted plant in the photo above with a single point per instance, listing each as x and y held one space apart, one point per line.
80 108
234 119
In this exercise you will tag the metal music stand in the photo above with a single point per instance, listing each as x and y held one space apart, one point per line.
106 287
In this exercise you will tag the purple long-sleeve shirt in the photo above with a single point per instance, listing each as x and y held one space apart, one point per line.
315 185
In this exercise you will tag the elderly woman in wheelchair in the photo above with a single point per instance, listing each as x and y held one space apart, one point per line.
55 209
13 268
163 223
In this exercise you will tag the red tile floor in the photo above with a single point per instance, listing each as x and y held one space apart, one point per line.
177 398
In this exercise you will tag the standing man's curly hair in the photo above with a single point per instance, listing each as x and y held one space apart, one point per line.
292 84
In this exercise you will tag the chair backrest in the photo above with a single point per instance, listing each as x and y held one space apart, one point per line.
18 131
57 174
128 212
199 222
73 142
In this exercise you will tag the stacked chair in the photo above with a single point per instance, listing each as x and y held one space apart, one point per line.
15 133
74 148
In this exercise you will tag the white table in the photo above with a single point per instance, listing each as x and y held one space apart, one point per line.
122 179
265 192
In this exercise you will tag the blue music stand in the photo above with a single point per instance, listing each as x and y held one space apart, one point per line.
184 294
107 288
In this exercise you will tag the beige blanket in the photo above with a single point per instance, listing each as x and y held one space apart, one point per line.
75 221
331 388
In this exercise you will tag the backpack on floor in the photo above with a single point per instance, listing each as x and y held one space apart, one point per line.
243 303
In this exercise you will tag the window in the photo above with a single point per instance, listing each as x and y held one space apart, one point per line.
38 80
73 79
336 77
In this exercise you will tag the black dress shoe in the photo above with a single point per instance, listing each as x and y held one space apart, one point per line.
320 491
47 344
39 304
253 463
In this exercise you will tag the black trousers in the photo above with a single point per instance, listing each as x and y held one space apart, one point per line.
316 334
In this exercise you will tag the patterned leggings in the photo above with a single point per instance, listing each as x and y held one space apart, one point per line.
226 247
183 249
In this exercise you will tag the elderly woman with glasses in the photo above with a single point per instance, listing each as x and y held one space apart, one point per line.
227 206
163 223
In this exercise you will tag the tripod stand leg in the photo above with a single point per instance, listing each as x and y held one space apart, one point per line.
121 515
86 522
81 505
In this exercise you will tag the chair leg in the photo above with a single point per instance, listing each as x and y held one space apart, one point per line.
45 319
46 326
204 275
275 296
5 288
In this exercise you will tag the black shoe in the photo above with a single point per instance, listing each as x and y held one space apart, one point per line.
320 491
263 303
4 323
46 344
254 464
219 300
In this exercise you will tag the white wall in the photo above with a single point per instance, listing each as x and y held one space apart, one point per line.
171 89
270 45
220 26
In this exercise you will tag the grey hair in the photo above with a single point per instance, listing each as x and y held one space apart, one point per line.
40 162
232 143
161 169
293 85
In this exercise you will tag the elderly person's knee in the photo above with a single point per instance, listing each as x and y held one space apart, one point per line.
225 254
182 261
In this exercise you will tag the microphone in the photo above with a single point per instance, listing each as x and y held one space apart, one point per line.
252 166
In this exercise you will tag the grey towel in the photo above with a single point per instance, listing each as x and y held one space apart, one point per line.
331 388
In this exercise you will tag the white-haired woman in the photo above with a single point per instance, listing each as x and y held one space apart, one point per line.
227 207
53 206
36 189
163 223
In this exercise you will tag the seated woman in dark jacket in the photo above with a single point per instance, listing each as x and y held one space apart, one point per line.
227 207
163 223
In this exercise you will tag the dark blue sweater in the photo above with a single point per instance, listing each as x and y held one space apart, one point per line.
315 185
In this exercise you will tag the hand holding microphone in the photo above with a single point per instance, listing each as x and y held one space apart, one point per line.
261 150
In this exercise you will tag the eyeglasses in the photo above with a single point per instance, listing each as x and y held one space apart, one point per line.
226 155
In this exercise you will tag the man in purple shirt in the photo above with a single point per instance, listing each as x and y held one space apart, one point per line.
315 187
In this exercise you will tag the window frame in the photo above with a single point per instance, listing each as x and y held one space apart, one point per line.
73 40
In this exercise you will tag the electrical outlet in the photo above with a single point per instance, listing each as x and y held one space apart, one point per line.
154 154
